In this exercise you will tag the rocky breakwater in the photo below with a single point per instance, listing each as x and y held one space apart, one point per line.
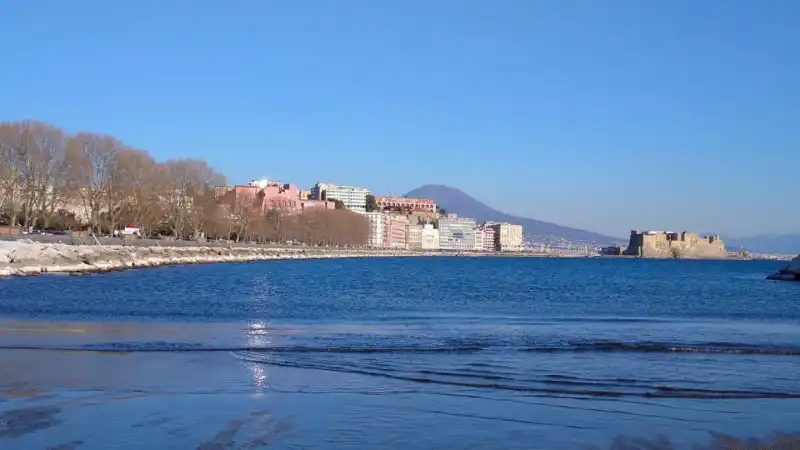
30 258
789 272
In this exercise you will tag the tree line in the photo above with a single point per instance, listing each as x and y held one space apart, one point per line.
51 179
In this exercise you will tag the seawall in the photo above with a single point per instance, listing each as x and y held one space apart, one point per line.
30 258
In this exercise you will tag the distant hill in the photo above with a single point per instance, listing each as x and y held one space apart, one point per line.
456 201
775 243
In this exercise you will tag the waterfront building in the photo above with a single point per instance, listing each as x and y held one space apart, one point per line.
507 236
413 237
377 229
353 198
488 239
456 233
430 237
480 236
405 205
395 229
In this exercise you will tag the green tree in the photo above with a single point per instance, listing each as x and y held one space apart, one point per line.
338 204
371 205
441 210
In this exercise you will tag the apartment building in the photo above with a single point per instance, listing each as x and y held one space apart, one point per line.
507 236
353 198
386 231
395 232
488 239
377 229
480 236
456 233
413 237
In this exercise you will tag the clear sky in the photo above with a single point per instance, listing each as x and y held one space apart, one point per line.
604 115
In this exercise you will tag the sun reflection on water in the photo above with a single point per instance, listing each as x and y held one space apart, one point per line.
257 337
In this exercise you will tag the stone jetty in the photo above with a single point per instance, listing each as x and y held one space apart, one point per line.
790 272
30 258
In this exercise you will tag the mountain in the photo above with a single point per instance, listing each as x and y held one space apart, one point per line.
786 244
456 201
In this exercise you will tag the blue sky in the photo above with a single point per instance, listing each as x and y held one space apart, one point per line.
601 115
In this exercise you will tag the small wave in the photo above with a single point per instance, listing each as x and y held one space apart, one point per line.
667 347
531 386
454 347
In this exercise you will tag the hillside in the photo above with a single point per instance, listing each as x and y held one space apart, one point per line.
456 201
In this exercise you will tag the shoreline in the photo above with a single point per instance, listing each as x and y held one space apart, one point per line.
25 258
29 258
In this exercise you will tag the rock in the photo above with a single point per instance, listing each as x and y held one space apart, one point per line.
789 272
25 257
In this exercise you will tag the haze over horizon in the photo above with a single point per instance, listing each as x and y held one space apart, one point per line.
601 116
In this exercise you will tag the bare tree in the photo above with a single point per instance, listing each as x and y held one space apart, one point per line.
31 177
44 173
10 161
189 196
132 188
53 189
243 213
144 183
91 162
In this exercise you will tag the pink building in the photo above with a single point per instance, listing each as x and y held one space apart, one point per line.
385 203
241 197
395 232
284 197
272 196
269 196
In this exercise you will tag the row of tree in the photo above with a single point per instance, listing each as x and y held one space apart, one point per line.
49 178
337 227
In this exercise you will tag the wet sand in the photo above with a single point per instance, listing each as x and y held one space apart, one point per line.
157 398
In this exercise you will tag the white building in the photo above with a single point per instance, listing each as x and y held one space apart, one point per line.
480 239
353 198
430 237
377 229
456 233
488 239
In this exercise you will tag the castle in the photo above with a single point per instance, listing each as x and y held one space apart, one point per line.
664 244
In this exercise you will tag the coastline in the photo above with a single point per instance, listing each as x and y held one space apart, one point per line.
25 258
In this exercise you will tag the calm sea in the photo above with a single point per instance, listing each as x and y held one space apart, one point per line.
406 353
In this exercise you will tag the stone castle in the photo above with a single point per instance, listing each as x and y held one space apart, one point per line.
664 244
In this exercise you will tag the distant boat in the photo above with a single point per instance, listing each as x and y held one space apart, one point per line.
789 272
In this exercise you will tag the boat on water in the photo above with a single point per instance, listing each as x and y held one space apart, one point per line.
789 272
